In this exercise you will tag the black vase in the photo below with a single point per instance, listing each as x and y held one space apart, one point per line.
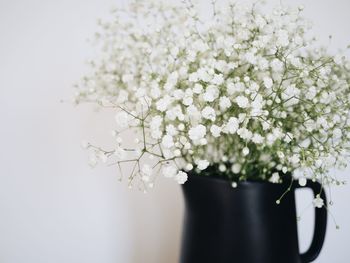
244 224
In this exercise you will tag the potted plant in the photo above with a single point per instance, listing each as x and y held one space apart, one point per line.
241 104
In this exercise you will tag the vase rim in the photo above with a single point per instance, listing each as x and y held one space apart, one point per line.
243 182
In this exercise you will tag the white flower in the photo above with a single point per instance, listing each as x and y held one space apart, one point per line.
311 93
127 78
189 167
208 113
198 132
203 75
318 202
231 88
250 58
282 38
280 154
202 164
122 119
193 112
155 93
215 130
277 65
263 63
232 126
181 177
187 101
257 105
163 103
275 178
221 65
284 170
177 152
218 79
200 46
211 94
302 181
172 113
318 163
288 138
92 161
140 93
337 133
224 103
245 151
294 159
222 168
295 61
171 130
305 143
169 171
257 138
193 77
268 82
178 94
123 96
198 88
289 92
244 133
263 86
322 121
265 125
330 160
236 168
156 134
167 141
242 102
155 125
270 139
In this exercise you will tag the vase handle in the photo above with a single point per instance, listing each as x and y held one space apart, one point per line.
320 224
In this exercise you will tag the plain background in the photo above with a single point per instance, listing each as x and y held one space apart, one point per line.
53 207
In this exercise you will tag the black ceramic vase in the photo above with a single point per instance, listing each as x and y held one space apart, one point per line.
244 224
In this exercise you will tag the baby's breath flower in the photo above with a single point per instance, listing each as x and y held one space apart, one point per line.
302 181
245 151
167 141
318 202
181 177
169 171
198 132
261 97
275 178
202 164
236 168
215 130
242 101
208 113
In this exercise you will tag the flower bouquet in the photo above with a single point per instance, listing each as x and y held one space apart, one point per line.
238 94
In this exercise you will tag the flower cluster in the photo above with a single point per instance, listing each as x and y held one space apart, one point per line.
241 94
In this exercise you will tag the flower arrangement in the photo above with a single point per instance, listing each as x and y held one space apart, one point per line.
242 94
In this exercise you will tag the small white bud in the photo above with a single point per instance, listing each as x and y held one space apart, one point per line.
245 151
302 181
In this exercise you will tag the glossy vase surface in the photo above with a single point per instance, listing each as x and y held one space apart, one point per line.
244 224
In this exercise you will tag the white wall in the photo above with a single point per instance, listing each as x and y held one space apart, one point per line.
53 207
